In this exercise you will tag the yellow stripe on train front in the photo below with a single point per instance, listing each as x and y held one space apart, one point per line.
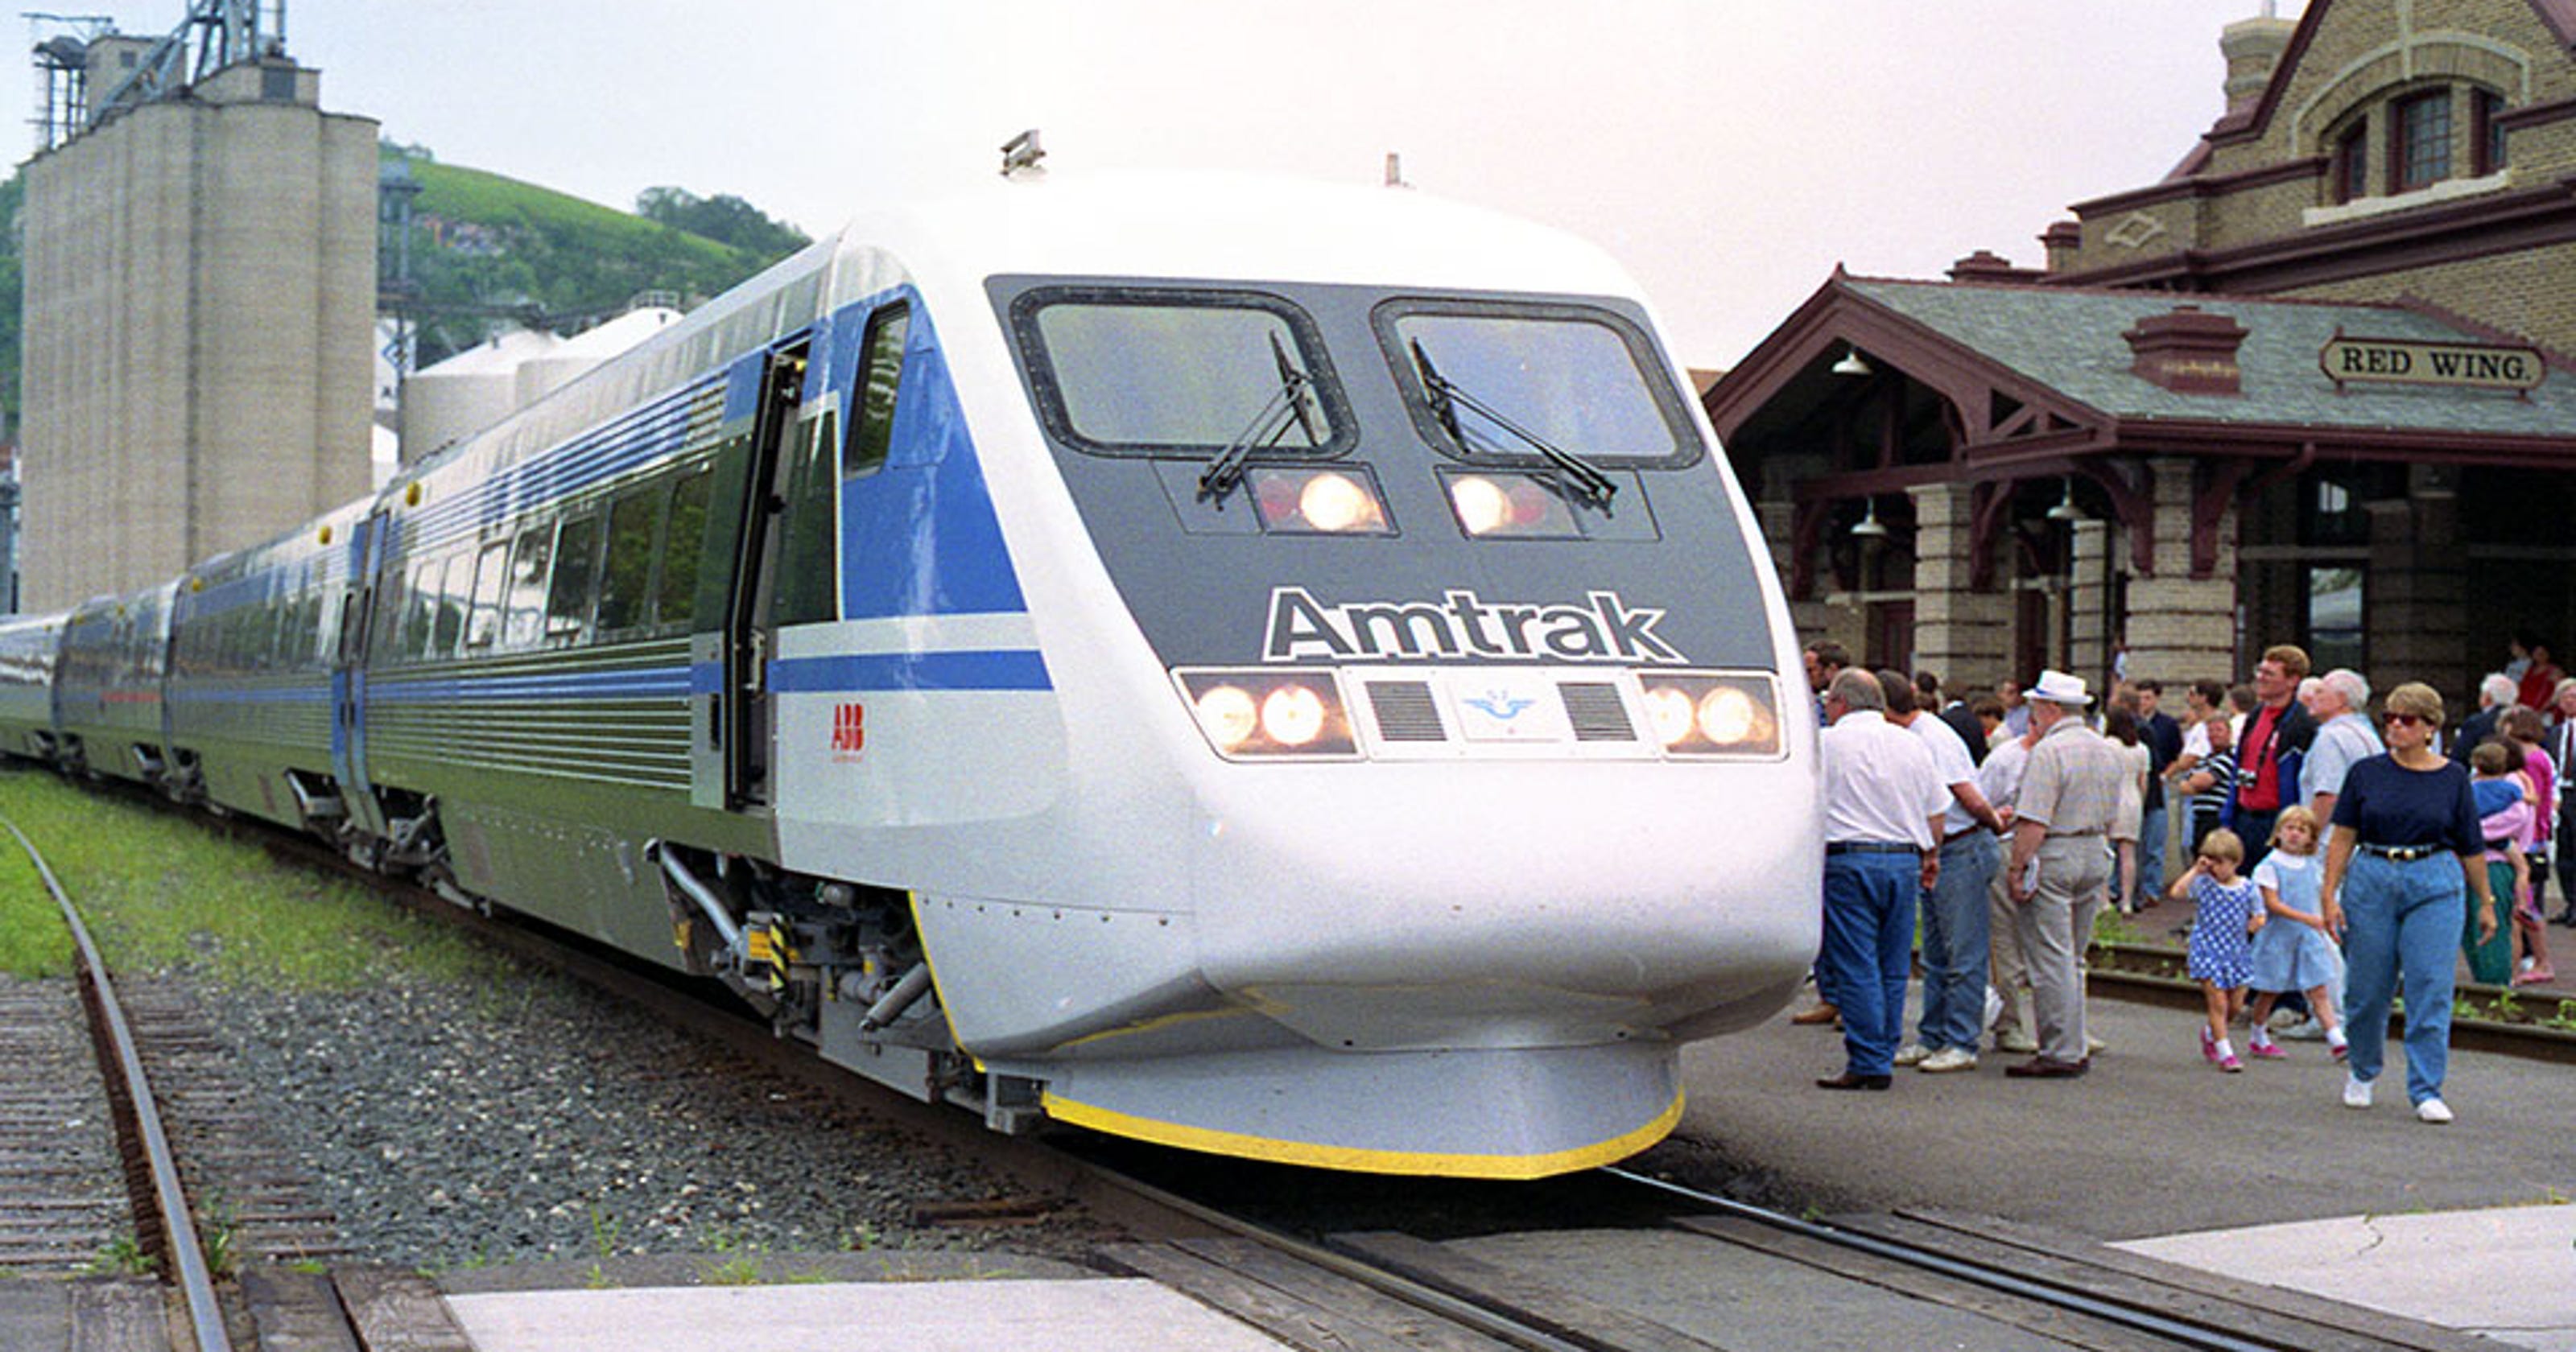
1359 1159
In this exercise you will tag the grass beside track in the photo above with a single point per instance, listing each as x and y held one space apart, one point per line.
161 892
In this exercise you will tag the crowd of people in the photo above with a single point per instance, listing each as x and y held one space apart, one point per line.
2337 860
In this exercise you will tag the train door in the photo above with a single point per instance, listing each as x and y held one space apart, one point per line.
349 679
746 715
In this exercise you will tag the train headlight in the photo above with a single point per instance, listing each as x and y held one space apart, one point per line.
1319 501
1728 716
1483 507
1292 715
1229 716
1670 712
1705 714
1258 714
1511 506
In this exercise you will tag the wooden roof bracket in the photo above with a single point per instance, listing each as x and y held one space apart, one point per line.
2213 495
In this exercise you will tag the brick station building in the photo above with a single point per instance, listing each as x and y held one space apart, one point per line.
2313 387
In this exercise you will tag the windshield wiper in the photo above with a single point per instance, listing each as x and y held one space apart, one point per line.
1289 405
1445 398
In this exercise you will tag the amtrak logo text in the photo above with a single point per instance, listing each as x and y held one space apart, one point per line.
1461 624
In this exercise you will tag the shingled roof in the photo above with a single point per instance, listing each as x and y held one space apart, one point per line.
2070 341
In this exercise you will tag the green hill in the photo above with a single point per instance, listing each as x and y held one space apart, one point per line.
482 243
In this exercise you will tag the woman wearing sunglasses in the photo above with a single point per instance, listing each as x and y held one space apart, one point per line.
2406 853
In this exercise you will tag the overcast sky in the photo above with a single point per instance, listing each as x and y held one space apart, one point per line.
1730 152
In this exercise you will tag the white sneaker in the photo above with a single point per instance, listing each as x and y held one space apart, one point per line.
1948 1059
2016 1042
2356 1093
1912 1054
2433 1110
2094 1044
2306 1030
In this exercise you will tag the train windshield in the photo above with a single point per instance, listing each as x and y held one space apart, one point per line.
1134 372
1501 380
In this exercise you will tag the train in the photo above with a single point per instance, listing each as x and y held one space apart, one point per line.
1268 668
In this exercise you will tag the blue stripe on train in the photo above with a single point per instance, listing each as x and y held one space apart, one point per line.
648 683
919 537
856 673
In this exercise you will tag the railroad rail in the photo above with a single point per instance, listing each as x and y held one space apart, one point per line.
173 1230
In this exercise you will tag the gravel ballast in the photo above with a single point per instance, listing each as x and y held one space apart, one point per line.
534 1120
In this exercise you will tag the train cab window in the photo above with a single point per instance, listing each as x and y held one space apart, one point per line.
685 542
626 576
527 599
568 595
491 589
1488 380
872 393
1152 371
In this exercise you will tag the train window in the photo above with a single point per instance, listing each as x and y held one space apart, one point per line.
872 394
626 577
677 599
1148 371
527 602
491 589
1487 381
455 597
576 564
420 611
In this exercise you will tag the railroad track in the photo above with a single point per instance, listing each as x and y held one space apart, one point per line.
1928 1277
164 1223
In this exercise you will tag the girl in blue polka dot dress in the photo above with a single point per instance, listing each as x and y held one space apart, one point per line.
2228 912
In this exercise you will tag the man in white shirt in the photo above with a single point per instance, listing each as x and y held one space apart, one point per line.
1955 928
1999 779
1883 806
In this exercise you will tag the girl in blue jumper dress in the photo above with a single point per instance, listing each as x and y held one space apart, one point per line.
2227 911
2294 952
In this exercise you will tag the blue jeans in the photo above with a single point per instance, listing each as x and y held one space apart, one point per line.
1956 939
2151 855
2402 920
1868 947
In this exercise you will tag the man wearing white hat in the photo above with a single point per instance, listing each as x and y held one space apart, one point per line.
2060 865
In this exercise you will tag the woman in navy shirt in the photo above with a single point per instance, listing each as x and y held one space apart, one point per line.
2405 854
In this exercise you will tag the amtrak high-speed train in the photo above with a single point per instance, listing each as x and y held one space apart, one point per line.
1265 668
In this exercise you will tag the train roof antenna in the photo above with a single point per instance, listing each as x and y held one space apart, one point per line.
1022 152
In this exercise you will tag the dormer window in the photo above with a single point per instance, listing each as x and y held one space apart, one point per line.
2419 143
2352 162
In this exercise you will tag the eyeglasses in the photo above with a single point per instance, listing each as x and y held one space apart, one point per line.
2403 720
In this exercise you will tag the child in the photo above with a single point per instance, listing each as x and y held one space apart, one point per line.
2295 953
2504 819
2227 913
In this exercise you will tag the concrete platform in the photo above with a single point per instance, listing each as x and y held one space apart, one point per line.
1005 1315
2262 1175
2507 1273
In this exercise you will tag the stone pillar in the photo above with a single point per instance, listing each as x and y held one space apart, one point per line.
2183 629
1962 635
1779 518
2415 598
2088 598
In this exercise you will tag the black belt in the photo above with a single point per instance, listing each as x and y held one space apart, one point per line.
1870 847
2403 854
